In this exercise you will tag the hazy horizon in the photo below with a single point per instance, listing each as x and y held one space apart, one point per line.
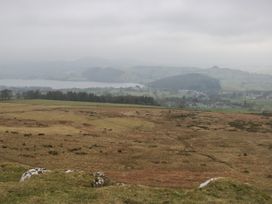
226 33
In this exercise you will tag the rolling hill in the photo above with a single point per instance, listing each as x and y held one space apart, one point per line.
104 70
195 82
230 79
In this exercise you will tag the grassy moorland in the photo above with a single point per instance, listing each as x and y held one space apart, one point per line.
58 187
159 155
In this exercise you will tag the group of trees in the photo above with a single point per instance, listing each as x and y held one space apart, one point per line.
90 97
5 94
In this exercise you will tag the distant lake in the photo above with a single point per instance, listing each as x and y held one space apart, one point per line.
54 84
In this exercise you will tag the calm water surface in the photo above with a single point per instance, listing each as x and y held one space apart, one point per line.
62 84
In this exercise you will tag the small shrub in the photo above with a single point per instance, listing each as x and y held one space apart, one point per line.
53 152
81 153
27 155
74 149
244 125
27 134
246 171
14 132
47 145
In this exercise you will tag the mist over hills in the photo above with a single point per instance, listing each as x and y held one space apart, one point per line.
103 74
104 70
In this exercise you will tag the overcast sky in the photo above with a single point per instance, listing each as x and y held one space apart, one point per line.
233 33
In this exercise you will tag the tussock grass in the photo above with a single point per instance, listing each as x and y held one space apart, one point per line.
123 124
133 145
58 187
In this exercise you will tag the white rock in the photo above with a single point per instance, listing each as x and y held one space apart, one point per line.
99 174
28 174
69 171
204 184
99 179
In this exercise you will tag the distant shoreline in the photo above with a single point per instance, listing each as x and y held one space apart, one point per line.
57 84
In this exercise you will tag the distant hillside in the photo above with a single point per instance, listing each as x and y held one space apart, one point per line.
96 69
102 74
230 79
239 80
196 82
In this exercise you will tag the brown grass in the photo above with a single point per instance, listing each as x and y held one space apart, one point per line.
136 145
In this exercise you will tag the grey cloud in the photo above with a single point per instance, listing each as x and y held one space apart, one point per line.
174 31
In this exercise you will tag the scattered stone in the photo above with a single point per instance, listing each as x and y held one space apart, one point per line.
99 174
204 184
121 184
69 171
100 180
36 171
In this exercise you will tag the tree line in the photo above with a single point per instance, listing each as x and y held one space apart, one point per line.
88 97
5 94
